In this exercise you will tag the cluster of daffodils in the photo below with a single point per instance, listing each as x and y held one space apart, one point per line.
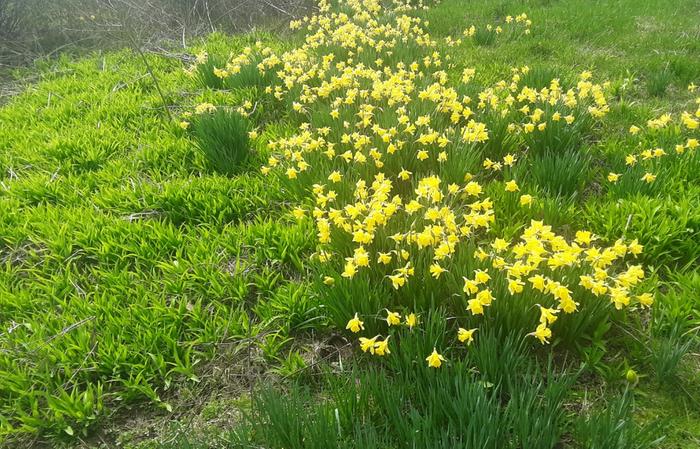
434 221
683 129
383 136
534 112
235 62
379 345
200 109
512 25
546 265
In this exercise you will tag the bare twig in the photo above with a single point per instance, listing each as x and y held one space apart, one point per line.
63 332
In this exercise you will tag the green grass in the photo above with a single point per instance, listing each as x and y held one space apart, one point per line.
222 136
141 288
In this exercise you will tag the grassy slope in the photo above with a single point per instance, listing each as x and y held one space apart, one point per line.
125 261
119 256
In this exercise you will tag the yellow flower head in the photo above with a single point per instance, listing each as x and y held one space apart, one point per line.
548 316
481 277
384 258
466 336
434 359
499 245
436 270
512 186
350 270
475 307
485 297
515 286
335 176
367 344
411 320
649 178
473 188
393 318
646 299
404 175
584 237
397 280
634 247
542 333
382 347
355 325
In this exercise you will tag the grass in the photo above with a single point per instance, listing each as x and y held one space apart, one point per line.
140 288
222 136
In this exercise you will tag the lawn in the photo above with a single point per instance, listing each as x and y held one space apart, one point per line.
453 224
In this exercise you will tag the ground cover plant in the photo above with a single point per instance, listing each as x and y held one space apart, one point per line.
403 224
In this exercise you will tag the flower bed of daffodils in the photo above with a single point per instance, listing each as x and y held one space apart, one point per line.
402 167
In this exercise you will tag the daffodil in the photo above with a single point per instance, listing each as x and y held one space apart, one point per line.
355 325
381 347
397 280
411 320
499 245
515 286
335 177
473 188
384 258
634 247
475 307
367 344
393 318
542 333
584 237
434 359
485 297
350 270
466 336
512 186
645 299
649 178
547 315
436 270
481 277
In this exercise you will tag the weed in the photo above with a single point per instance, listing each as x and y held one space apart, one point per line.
615 428
658 81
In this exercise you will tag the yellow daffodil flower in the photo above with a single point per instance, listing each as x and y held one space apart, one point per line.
434 359
393 318
355 325
466 336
